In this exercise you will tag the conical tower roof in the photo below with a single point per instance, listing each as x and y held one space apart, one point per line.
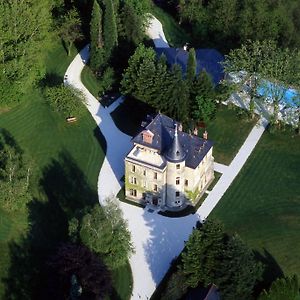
175 153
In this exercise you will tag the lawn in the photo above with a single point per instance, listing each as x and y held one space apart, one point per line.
175 35
90 81
65 160
263 203
228 133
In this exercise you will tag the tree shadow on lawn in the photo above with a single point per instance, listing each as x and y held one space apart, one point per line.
50 80
101 139
271 270
68 192
129 115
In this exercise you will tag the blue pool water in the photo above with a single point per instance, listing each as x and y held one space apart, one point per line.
291 97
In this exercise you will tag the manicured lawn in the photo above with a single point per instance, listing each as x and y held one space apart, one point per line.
175 35
228 132
90 81
263 203
122 282
65 159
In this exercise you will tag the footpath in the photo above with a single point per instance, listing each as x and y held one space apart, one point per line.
157 239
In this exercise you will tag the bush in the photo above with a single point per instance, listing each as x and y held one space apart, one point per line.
65 100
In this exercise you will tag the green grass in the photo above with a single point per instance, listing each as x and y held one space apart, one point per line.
90 81
122 283
263 203
228 133
66 159
216 179
175 35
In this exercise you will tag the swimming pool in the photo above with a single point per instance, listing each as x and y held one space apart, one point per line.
291 97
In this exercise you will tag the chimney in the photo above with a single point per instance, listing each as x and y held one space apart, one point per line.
180 127
195 132
205 134
147 136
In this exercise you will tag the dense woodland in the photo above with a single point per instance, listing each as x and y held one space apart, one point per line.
261 37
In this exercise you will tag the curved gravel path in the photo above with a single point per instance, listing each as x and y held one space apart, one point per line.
157 240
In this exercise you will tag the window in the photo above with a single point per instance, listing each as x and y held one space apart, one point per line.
144 173
177 180
186 183
178 166
144 184
133 168
133 192
155 175
132 180
155 188
177 194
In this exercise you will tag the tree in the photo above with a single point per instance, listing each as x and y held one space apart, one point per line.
283 288
76 271
202 250
204 109
224 17
177 95
279 72
110 29
176 286
25 28
212 256
96 34
132 24
191 67
131 82
105 232
238 271
14 174
70 29
65 100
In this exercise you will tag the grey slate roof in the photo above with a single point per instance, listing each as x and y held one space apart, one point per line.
163 128
176 152
208 59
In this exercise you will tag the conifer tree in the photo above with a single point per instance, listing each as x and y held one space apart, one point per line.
177 95
110 29
97 52
191 67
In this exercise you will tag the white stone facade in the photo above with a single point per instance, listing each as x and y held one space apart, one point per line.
151 178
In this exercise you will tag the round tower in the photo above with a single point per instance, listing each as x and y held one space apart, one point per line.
175 157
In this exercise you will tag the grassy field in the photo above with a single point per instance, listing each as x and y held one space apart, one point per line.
175 35
228 132
263 203
66 159
90 81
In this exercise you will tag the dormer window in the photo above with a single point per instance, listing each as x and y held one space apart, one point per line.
147 136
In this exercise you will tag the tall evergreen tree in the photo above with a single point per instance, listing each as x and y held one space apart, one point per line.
237 271
177 95
96 34
110 29
191 67
199 259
